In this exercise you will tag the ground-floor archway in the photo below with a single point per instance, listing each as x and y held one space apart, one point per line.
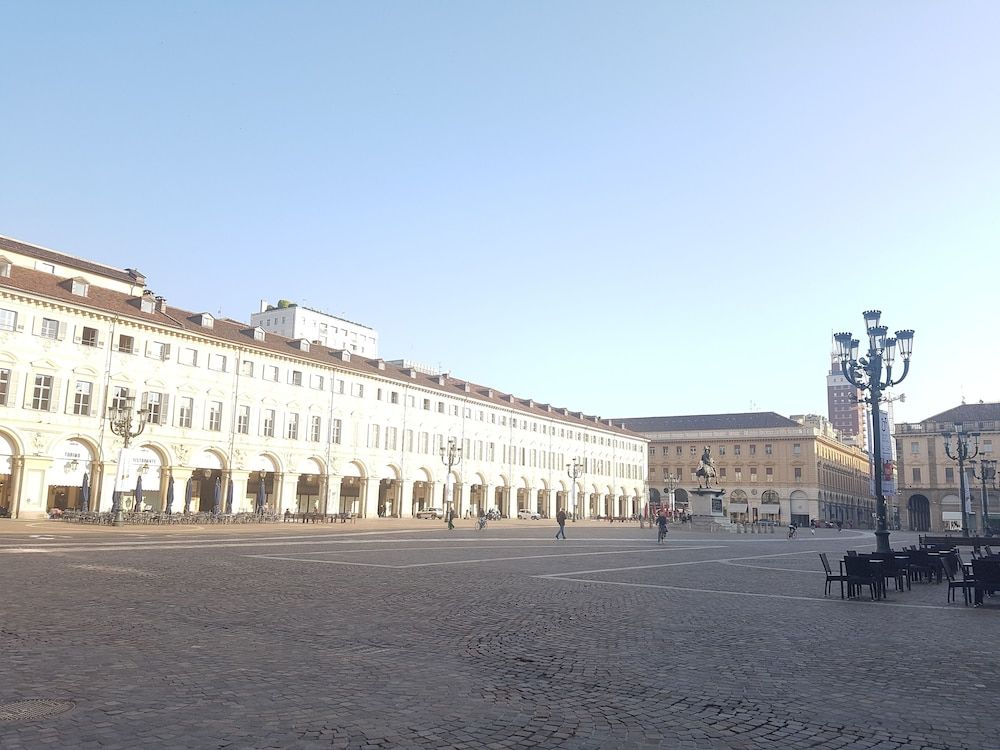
918 512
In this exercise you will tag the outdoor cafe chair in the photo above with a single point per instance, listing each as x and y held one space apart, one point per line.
831 577
861 572
967 584
987 578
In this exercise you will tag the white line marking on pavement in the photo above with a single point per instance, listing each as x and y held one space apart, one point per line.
749 593
479 560
673 564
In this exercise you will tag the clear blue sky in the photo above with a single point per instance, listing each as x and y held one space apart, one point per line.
626 208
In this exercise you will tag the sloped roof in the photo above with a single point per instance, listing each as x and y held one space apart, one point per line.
110 302
694 422
968 413
70 261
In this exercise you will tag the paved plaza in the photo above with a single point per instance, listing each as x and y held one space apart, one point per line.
401 634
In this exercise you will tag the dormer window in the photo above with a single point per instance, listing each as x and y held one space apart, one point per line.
147 304
205 320
258 334
80 287
46 267
5 267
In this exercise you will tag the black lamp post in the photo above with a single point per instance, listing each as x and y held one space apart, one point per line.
575 471
126 424
866 374
962 454
451 456
987 475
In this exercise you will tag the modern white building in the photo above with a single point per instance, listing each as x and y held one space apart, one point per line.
320 428
297 322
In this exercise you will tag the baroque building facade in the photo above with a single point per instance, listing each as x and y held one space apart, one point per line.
231 404
929 485
773 469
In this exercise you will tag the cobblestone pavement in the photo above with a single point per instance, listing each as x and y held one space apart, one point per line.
403 635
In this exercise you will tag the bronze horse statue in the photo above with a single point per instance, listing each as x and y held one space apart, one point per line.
706 469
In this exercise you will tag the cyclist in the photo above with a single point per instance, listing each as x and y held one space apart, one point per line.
482 523
791 530
661 522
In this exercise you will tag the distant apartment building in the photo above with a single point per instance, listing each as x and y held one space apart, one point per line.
848 416
773 468
297 322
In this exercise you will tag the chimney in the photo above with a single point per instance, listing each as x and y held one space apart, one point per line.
161 304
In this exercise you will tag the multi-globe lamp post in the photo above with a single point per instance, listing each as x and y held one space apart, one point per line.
962 454
872 372
987 475
575 471
451 456
126 423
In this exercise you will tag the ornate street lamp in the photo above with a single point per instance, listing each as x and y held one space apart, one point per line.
450 456
671 481
575 471
126 422
988 475
866 374
962 454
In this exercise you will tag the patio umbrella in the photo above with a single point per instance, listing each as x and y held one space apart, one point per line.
261 496
85 493
229 497
138 494
217 496
170 496
188 491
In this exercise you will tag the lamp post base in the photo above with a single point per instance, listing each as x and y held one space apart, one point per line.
119 519
882 541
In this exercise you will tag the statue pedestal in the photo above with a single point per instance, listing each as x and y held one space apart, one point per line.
706 509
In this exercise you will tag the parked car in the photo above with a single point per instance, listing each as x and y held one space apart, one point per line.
529 514
430 513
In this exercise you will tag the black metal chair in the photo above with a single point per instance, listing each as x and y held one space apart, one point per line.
987 578
860 572
965 583
831 577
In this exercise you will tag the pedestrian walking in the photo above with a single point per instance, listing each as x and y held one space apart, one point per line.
561 519
451 520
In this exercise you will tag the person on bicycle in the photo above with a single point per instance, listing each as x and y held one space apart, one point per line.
661 523
482 523
791 530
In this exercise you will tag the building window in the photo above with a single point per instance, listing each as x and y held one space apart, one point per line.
736 450
394 397
5 389
126 344
358 390
796 449
768 474
188 356
987 446
246 368
915 448
738 472
336 428
317 382
292 432
373 436
338 386
315 428
157 350
722 450
679 450
217 362
427 404
119 397
8 320
82 398
185 411
390 438
753 449
916 474
243 420
949 474
295 377
215 416
155 402
49 329
767 449
798 473
267 428
722 472
89 336
753 473
271 373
